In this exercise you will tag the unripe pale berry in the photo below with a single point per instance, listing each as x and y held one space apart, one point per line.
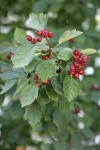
39 39
29 37
39 32
50 34
34 41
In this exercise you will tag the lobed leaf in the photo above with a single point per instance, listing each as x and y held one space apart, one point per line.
38 21
29 94
88 51
67 35
33 114
71 87
46 69
65 54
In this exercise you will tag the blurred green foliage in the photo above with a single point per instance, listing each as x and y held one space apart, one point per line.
63 15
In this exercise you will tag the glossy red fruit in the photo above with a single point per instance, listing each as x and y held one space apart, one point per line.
76 64
37 83
45 33
76 76
72 67
76 111
72 40
46 82
46 57
58 71
10 55
39 39
50 34
39 32
85 59
76 57
36 77
76 52
34 41
81 72
29 37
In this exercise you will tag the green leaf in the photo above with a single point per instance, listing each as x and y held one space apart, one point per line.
88 51
71 87
63 104
5 46
4 66
67 35
8 85
2 99
33 114
46 69
21 87
38 21
51 93
32 65
43 98
58 119
57 85
23 55
65 54
16 110
29 94
8 75
20 36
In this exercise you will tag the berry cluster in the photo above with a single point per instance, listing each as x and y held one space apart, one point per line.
76 111
79 64
10 55
40 34
36 78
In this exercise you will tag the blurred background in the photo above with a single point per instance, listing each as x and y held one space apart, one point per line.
80 132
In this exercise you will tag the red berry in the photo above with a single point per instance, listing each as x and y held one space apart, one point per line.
76 52
85 59
50 34
58 71
79 54
72 67
46 82
10 55
39 32
76 111
76 76
72 40
29 37
76 57
46 57
34 41
81 72
45 33
39 39
37 83
36 77
76 64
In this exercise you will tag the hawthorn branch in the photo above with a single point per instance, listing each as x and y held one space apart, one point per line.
50 47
